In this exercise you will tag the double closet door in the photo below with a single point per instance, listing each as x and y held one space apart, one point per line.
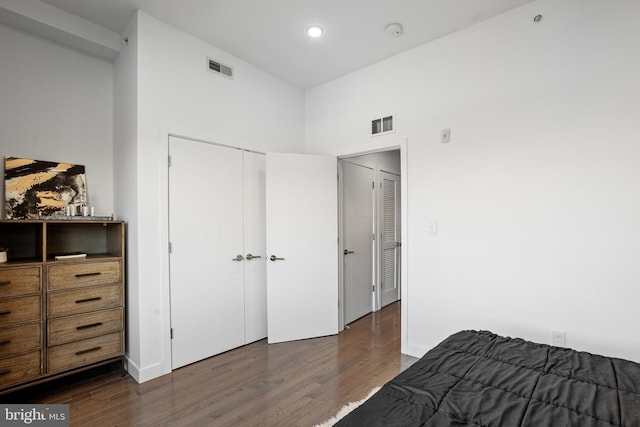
218 250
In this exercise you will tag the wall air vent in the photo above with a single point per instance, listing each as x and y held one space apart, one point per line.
382 125
219 68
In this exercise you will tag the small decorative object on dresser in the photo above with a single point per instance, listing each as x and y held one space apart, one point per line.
3 255
60 315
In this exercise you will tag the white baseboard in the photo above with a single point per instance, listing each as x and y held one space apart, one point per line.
414 350
144 374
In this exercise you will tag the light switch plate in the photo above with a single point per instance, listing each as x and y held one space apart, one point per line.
445 135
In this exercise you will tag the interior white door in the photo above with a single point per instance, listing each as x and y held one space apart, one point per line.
358 208
390 238
302 232
206 234
255 247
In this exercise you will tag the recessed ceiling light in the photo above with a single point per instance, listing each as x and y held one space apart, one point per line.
315 31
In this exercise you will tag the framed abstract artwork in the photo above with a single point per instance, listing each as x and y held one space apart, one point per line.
35 188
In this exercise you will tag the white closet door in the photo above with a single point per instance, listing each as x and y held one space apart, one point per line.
390 238
302 229
358 208
255 269
206 234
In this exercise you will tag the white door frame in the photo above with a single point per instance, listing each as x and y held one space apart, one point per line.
377 261
400 144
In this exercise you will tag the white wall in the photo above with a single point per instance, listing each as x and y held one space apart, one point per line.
125 115
176 94
56 105
537 196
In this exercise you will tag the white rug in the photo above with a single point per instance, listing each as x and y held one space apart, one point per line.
345 410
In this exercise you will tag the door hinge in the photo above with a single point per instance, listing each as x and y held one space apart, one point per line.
170 247
171 333
373 185
373 288
169 161
373 236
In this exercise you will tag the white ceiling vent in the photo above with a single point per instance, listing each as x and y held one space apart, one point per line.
219 68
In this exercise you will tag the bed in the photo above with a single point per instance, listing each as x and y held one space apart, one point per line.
478 378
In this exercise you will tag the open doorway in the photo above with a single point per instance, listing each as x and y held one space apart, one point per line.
369 232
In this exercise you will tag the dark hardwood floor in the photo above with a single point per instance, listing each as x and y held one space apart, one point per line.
290 384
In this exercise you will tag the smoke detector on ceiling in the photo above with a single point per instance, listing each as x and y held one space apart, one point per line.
394 29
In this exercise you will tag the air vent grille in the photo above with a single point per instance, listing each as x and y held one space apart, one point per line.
382 125
219 68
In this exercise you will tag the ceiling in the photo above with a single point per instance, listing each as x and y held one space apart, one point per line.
270 34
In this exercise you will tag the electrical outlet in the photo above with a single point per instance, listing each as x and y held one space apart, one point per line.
559 338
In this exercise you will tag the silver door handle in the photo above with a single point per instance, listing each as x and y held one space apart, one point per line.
347 252
238 258
250 257
275 258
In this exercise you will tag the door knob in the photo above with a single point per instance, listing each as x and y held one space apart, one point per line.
275 258
250 257
238 258
347 252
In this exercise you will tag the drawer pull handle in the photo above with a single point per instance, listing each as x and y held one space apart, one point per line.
88 274
4 342
3 313
5 282
81 352
5 372
91 325
80 301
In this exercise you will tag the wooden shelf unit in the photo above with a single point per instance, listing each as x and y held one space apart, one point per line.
58 317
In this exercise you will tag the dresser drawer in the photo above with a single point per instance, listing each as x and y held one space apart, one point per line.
19 369
19 310
76 275
19 281
84 300
83 326
80 353
18 339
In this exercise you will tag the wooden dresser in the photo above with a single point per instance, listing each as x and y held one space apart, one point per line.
60 316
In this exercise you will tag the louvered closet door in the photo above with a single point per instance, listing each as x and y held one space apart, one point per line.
206 234
390 238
